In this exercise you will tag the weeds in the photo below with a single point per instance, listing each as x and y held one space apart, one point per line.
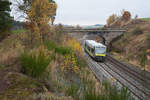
109 92
81 62
72 90
70 64
34 64
57 49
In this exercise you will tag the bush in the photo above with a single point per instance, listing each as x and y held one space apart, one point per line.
137 31
33 64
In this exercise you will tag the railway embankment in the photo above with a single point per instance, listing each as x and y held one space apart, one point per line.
133 46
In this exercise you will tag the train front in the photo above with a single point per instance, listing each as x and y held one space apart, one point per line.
100 53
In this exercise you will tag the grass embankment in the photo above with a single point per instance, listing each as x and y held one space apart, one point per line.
54 69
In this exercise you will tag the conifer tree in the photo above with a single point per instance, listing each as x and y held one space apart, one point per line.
5 18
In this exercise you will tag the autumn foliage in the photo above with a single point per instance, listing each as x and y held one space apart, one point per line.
40 16
70 64
75 45
126 15
111 19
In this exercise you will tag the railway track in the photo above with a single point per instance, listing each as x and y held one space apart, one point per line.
129 77
133 76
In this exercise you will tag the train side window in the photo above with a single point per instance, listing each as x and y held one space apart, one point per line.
88 48
92 50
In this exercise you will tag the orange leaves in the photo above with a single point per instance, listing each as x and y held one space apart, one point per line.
126 15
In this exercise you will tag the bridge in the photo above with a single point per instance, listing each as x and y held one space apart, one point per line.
100 30
107 34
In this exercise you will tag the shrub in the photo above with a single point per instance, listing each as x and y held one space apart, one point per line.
34 64
50 44
137 31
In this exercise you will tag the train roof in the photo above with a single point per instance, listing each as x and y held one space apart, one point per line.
93 43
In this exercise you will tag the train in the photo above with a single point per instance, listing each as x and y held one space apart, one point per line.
96 50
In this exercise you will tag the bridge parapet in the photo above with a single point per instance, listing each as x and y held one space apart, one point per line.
96 30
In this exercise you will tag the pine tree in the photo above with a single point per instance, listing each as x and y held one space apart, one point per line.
5 18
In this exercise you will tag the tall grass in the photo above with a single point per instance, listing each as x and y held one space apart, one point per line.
33 64
72 90
112 93
57 48
108 93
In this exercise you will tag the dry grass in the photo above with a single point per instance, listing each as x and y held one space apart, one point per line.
134 43
10 49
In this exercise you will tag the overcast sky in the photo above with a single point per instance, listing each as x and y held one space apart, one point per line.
88 12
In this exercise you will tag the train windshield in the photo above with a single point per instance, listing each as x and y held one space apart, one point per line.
100 50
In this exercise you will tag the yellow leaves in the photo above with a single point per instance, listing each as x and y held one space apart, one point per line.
39 16
111 19
70 64
75 45
41 11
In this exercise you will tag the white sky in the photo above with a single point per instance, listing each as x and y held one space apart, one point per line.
88 12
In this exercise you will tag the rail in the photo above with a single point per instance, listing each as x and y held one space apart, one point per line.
126 75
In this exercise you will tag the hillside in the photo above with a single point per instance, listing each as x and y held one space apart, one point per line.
134 43
54 69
